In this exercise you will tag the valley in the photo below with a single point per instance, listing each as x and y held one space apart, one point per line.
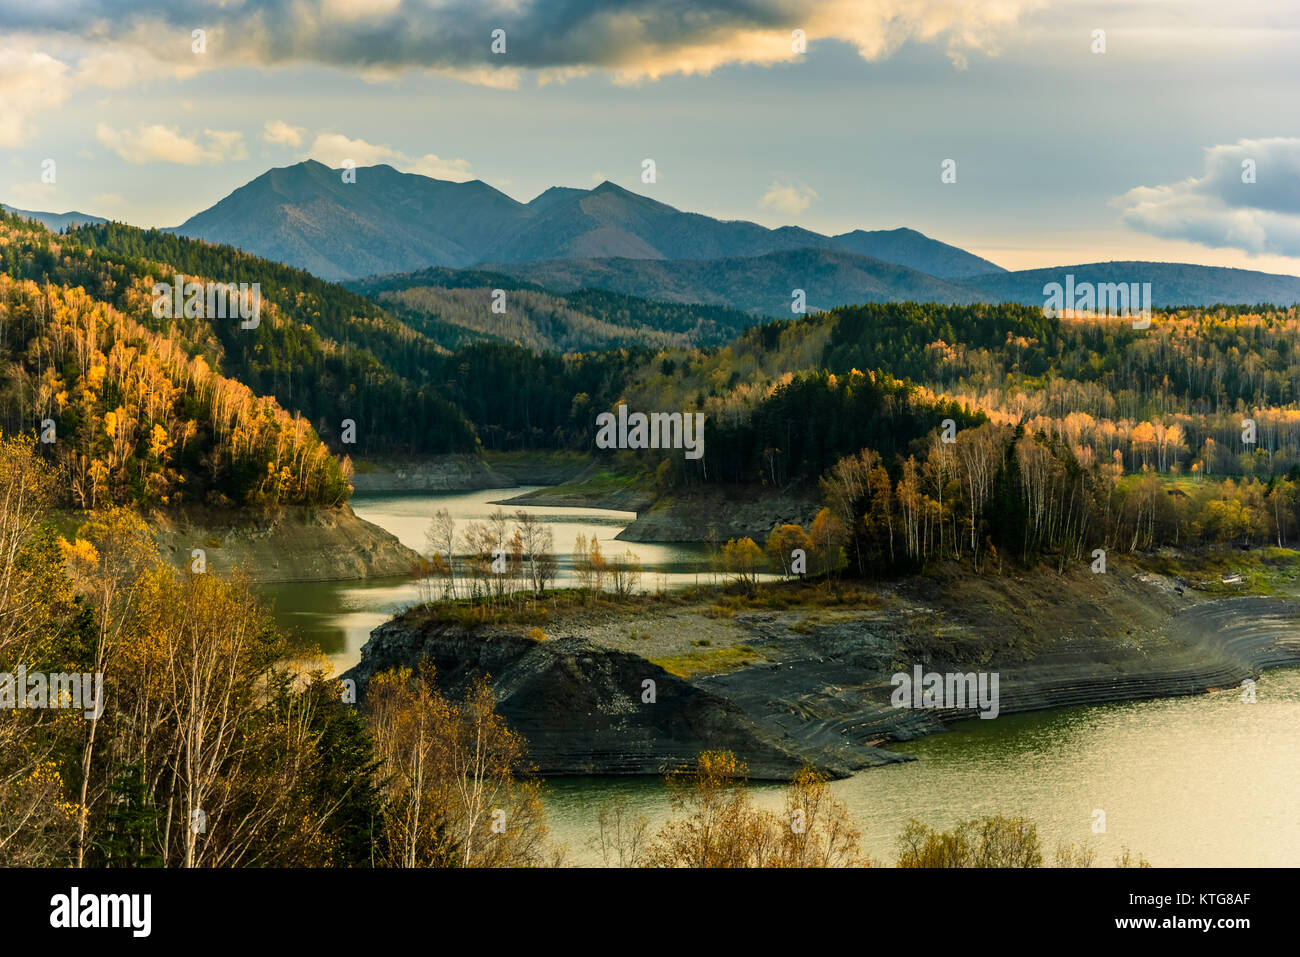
648 511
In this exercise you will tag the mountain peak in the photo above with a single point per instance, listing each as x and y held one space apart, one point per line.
390 222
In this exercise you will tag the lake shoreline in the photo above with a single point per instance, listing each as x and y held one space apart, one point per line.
287 545
813 686
576 480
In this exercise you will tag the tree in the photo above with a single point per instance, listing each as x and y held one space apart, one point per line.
109 560
742 559
452 791
781 544
817 830
38 821
538 543
441 541
621 839
827 534
717 826
993 841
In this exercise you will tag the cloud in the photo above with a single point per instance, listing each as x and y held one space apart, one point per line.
630 39
31 83
282 134
164 144
333 148
1217 209
456 170
789 198
133 59
226 145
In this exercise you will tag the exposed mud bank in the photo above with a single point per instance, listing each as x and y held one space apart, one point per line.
446 473
291 545
689 516
569 496
813 685
466 473
720 514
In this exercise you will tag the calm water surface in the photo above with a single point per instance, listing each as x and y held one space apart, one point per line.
338 616
1202 780
1206 780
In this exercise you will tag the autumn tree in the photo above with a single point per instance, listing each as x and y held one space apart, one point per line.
994 841
781 544
454 793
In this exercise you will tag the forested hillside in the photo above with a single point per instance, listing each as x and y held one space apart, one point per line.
1063 432
455 307
319 349
1070 434
129 415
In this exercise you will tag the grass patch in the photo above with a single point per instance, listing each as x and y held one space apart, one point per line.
1264 571
714 660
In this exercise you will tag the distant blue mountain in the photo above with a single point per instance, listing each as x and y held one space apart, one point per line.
55 221
390 222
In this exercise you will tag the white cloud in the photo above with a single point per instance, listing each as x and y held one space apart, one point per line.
1217 209
789 198
33 194
31 83
333 148
456 170
226 144
164 144
282 134
131 61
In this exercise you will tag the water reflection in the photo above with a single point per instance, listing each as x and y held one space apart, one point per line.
338 616
1205 780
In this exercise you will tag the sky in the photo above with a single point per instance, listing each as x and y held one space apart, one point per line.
1062 153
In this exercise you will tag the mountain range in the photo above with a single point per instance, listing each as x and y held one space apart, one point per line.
390 222
765 284
404 225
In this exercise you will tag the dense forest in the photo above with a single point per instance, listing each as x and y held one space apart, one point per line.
318 349
130 417
1059 434
1066 435
455 307
331 355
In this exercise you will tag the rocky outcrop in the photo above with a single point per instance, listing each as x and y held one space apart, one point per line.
585 709
323 544
821 694
722 514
